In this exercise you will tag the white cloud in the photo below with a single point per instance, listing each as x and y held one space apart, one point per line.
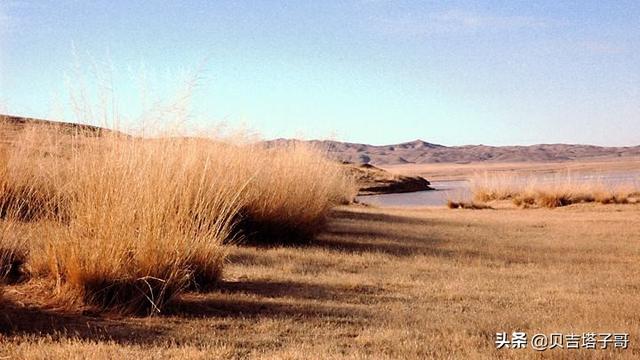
471 20
456 20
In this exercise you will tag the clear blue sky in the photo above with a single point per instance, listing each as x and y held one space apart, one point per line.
375 71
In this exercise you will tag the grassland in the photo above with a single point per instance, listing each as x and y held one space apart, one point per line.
428 283
239 251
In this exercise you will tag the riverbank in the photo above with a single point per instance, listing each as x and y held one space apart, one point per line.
373 180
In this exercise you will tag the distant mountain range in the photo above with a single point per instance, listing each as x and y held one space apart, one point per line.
417 152
422 152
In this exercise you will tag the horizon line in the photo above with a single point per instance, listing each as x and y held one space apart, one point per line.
72 123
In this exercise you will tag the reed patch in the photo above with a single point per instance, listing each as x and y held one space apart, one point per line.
553 191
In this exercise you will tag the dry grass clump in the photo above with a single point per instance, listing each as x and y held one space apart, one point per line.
171 204
12 255
131 222
143 219
471 205
290 196
556 191
34 172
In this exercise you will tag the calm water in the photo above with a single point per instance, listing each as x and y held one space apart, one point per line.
444 190
459 190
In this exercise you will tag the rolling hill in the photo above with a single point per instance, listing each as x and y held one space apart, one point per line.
422 152
415 152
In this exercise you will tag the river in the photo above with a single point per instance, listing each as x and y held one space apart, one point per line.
460 190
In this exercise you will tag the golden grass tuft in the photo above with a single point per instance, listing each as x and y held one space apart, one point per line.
471 205
131 222
12 255
293 189
553 192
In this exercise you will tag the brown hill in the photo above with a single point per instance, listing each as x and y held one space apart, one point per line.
422 152
414 152
11 122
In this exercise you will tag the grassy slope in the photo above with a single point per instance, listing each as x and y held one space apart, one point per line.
385 283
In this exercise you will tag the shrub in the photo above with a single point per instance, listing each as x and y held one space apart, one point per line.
467 205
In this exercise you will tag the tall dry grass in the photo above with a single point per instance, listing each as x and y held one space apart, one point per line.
294 187
12 254
12 249
135 221
553 190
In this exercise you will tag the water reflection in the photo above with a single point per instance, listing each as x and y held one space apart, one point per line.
444 190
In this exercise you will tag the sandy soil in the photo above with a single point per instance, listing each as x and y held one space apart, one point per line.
449 171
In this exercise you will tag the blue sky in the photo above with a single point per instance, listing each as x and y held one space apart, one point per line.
375 71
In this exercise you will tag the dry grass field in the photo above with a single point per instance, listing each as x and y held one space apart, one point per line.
228 180
114 246
424 283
